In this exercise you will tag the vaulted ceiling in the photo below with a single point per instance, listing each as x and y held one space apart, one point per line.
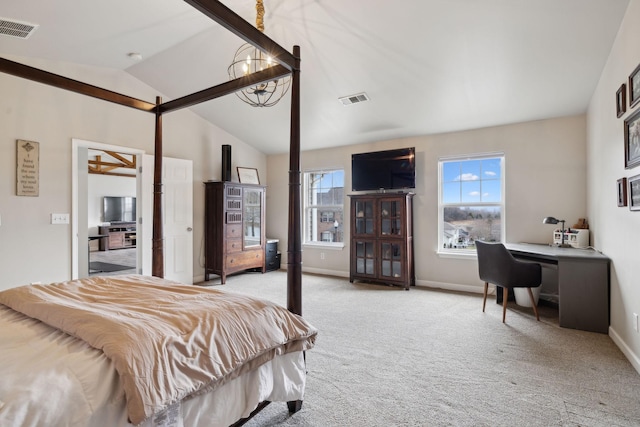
428 66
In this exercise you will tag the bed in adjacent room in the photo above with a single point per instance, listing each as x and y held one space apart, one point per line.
138 350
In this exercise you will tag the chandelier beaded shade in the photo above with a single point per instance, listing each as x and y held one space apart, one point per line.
249 59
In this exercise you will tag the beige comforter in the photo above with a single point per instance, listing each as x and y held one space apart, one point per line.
167 341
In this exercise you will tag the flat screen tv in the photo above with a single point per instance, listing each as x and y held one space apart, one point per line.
384 170
119 209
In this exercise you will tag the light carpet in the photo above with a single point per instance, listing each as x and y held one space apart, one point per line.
425 357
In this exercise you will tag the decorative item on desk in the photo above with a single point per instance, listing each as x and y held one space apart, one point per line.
575 238
552 220
582 224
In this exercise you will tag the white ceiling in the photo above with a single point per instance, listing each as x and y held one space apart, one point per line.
428 66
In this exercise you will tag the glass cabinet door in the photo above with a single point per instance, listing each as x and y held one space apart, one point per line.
252 216
391 260
365 257
391 218
363 217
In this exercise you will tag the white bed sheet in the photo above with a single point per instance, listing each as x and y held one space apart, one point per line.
49 378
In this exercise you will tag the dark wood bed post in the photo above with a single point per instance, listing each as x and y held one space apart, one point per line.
294 242
157 257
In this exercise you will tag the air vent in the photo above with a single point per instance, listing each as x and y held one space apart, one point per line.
21 30
354 99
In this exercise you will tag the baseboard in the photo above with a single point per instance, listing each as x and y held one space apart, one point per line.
630 355
425 283
455 287
325 272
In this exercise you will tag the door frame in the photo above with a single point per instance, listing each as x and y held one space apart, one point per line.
79 195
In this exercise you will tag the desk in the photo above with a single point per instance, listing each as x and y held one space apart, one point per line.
583 283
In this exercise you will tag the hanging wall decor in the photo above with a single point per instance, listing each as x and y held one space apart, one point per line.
621 100
27 168
632 140
634 87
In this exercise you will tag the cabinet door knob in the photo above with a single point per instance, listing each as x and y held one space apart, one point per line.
189 229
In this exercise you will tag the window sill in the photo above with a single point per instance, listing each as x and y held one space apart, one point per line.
320 245
457 254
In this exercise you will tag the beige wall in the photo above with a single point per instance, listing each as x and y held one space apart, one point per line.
617 230
31 249
545 175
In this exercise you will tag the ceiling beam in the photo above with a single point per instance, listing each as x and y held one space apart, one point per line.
241 28
101 167
41 76
272 73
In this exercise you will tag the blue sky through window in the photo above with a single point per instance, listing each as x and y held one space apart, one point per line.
471 181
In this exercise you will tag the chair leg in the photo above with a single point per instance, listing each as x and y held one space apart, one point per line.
533 304
484 301
505 296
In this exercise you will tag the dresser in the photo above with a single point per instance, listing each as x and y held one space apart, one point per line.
234 236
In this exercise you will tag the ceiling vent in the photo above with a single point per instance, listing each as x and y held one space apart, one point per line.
354 99
21 30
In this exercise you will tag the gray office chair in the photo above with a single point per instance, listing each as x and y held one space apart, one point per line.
497 266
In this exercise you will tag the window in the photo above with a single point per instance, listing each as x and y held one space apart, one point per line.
327 216
324 207
471 202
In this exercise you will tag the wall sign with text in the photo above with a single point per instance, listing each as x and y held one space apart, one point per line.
27 168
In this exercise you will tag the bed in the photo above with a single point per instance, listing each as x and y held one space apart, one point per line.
74 383
138 350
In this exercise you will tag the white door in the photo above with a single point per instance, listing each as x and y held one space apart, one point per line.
177 188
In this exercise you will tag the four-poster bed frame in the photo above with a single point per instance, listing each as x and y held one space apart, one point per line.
289 64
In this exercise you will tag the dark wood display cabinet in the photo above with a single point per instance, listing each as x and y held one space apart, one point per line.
382 238
234 236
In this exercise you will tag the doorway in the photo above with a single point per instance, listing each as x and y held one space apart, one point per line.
177 222
83 230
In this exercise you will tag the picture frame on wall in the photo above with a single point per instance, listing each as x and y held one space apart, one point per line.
248 175
634 193
622 192
634 87
621 100
632 140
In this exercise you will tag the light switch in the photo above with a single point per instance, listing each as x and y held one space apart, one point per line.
57 218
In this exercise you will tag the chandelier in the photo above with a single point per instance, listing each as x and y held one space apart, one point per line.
249 59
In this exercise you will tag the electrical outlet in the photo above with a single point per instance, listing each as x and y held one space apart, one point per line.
321 255
57 218
635 322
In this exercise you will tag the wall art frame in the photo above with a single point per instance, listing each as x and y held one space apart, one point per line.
632 140
248 175
634 193
621 100
27 168
634 87
622 192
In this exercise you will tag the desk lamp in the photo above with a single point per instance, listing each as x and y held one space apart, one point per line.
552 220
